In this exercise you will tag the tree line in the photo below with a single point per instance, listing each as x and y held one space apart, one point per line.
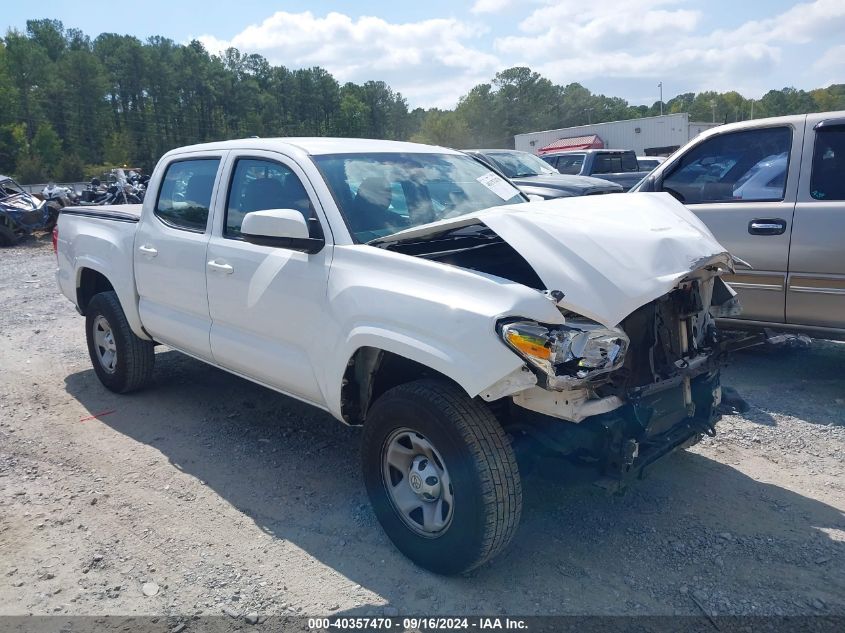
71 106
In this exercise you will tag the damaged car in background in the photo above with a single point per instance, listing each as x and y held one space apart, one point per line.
414 292
22 213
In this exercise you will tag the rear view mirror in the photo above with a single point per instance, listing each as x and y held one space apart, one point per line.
280 228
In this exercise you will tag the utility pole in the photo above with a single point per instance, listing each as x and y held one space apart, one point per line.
589 118
713 105
752 109
660 85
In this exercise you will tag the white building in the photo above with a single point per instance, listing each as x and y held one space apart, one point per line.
654 136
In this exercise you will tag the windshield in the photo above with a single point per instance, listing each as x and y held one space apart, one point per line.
9 187
519 164
380 194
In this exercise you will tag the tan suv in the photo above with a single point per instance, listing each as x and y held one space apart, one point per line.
772 191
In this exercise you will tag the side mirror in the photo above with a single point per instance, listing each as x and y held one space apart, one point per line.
280 228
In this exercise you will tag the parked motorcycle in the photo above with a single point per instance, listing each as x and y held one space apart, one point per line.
119 190
59 196
138 184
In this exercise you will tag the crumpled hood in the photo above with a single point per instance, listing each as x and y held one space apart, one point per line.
608 254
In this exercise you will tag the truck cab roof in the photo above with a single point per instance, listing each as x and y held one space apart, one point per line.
588 151
316 146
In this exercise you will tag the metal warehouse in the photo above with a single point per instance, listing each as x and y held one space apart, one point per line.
650 136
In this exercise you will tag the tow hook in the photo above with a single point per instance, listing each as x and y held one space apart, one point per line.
707 427
630 452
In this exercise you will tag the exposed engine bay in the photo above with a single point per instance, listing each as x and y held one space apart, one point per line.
474 247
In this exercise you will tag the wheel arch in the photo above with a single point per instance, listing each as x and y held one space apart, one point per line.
90 282
371 371
370 350
92 278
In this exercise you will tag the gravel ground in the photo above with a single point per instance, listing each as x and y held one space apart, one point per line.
207 494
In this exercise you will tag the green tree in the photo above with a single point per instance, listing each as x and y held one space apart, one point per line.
353 117
8 91
443 128
117 149
28 66
12 145
30 170
71 168
84 114
119 98
49 35
47 147
483 117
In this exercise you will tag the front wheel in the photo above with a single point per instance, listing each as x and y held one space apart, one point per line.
441 476
122 361
7 236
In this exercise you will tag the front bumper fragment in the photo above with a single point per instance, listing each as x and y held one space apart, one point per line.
621 444
656 424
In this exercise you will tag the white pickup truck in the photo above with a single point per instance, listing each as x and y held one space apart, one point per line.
411 290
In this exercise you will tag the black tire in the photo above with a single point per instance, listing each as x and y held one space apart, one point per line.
480 462
55 208
7 236
134 358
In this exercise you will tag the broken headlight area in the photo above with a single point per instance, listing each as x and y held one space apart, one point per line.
568 356
674 335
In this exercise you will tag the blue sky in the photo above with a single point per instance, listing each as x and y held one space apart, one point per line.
434 51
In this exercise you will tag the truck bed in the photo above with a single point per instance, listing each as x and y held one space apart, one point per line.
119 212
100 239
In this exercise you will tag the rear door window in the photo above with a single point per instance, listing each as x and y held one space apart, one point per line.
828 178
185 193
615 163
629 162
745 166
570 164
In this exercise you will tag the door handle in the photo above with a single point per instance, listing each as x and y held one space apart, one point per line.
767 226
219 267
148 250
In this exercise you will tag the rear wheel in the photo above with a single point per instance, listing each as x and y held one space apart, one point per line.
441 476
122 361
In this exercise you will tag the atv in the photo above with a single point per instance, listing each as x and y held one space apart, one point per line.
22 213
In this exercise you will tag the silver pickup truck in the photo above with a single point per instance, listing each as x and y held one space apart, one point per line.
773 192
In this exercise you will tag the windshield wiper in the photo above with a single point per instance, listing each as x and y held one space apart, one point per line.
453 233
525 175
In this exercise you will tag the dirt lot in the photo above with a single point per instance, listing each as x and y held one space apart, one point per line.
214 495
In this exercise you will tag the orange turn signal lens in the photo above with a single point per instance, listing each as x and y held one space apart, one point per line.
529 345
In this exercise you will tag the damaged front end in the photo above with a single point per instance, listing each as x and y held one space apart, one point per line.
636 392
631 371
